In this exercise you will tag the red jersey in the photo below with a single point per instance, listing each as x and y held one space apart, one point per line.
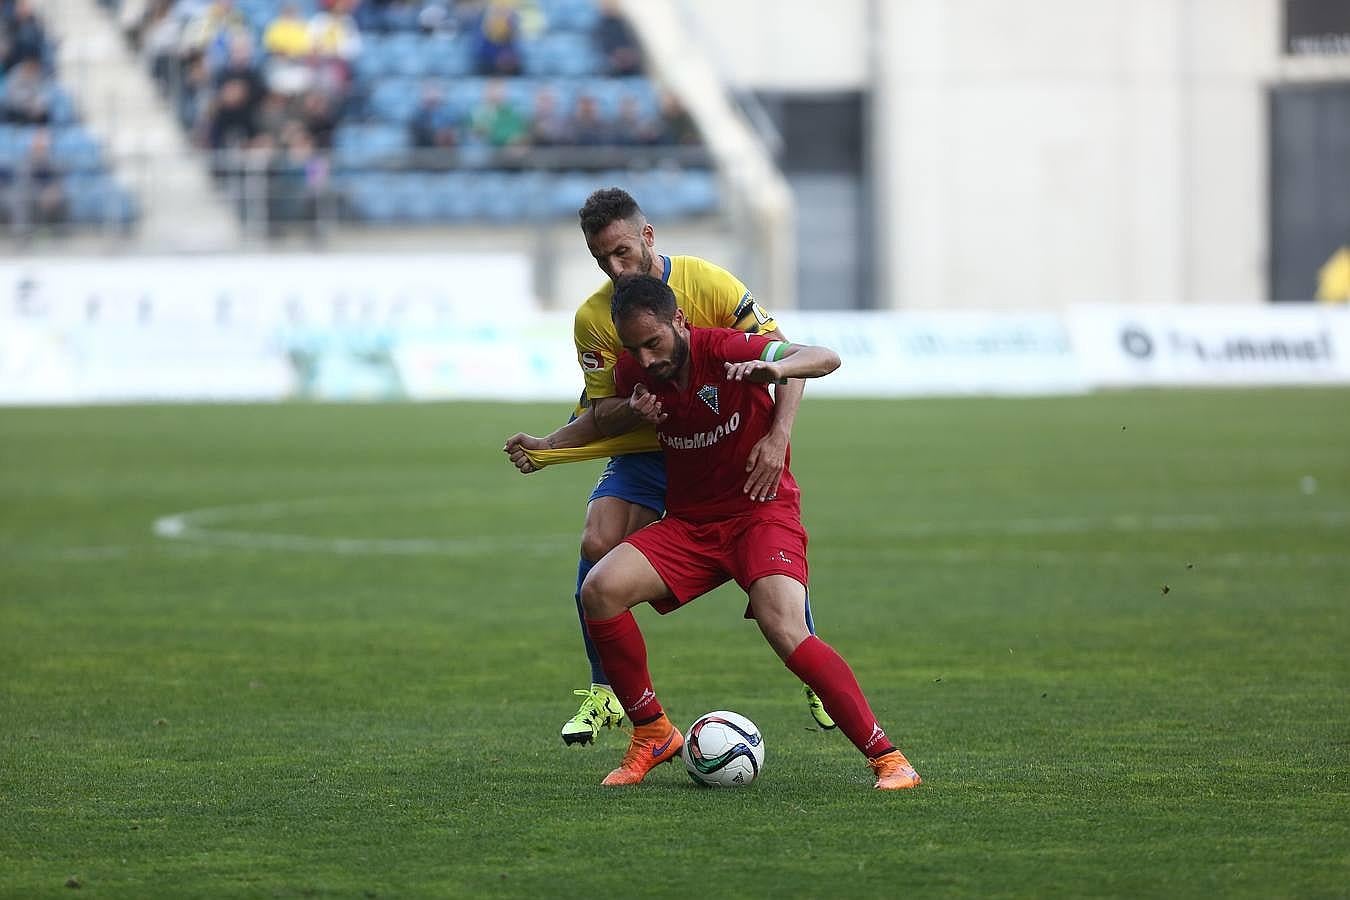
712 426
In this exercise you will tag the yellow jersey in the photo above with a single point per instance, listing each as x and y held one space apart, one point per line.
710 296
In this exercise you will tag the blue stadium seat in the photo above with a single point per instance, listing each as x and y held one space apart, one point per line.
98 199
463 95
361 146
394 100
62 110
378 59
455 198
447 57
509 197
575 55
399 17
75 150
570 15
10 147
423 202
569 191
372 196
698 193
406 56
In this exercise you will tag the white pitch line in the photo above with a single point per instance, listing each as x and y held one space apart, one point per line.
1201 561
193 526
1120 522
97 553
189 526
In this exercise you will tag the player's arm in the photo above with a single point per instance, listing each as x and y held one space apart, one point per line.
764 466
605 415
779 361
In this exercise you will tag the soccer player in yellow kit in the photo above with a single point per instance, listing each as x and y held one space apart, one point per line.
631 491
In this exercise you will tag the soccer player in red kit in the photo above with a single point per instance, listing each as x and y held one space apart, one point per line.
706 390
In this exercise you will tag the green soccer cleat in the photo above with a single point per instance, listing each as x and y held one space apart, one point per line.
818 709
600 709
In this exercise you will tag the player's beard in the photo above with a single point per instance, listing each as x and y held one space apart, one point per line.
669 370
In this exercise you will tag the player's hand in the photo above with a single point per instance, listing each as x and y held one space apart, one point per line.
515 447
765 465
644 404
755 370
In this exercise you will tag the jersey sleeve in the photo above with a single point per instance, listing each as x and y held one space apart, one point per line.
743 347
595 355
725 300
750 317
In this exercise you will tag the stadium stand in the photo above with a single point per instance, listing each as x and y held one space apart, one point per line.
400 112
53 171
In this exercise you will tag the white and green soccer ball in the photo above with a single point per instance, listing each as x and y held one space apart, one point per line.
723 749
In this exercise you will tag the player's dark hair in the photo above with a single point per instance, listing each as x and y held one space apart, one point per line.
635 294
606 206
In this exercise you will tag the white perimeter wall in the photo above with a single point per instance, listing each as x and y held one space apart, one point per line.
1041 152
786 45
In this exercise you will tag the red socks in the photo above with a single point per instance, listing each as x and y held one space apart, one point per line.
816 663
623 653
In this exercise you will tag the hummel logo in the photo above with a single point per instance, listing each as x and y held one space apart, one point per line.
647 697
708 394
876 735
781 557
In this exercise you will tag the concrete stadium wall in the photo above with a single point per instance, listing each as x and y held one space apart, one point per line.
1051 151
1043 152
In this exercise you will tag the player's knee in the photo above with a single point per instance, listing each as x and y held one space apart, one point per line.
596 541
598 596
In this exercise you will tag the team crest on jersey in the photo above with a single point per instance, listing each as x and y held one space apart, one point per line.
708 394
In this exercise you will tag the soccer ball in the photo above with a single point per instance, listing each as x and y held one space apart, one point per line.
723 749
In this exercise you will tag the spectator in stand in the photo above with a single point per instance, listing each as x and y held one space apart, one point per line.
132 17
27 39
588 126
298 183
337 44
617 43
550 126
161 40
677 126
274 114
212 32
632 127
319 118
289 43
239 92
28 94
497 51
39 196
431 126
436 18
195 97
497 123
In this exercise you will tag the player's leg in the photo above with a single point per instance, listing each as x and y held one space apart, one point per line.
778 602
629 495
813 702
620 581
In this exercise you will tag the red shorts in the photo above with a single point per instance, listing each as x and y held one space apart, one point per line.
692 559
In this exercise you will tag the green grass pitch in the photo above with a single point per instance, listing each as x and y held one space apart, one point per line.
1112 633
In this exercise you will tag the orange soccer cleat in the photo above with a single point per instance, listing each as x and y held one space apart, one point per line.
894 773
652 744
